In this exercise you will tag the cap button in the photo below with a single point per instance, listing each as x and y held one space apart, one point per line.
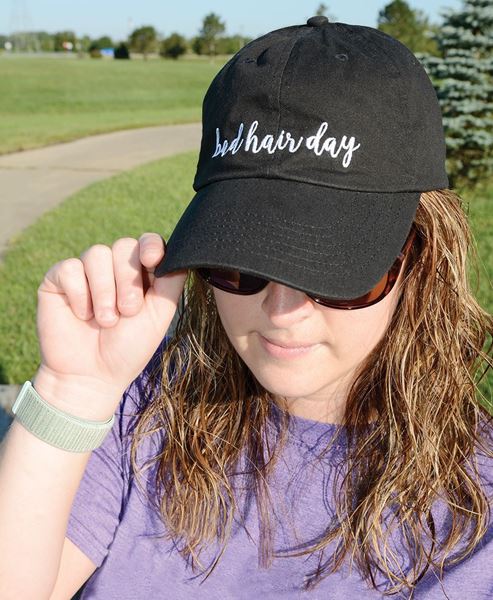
317 21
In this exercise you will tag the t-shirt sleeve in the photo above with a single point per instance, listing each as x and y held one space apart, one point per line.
99 501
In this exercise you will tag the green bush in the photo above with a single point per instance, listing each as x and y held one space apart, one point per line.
121 51
94 51
173 46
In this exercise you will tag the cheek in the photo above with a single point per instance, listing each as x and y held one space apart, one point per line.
355 333
237 313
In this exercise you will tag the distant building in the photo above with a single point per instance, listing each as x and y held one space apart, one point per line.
108 52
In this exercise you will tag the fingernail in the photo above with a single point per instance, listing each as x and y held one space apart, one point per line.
107 314
129 301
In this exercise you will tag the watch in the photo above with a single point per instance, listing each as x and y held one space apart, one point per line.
56 427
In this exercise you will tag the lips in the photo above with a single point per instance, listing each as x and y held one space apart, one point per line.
288 351
283 344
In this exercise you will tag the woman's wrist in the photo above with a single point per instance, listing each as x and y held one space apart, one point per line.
77 396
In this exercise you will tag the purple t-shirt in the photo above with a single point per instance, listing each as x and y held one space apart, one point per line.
113 524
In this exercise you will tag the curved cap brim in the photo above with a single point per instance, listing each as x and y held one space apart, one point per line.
326 241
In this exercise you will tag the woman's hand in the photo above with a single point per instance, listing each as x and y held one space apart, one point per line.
100 319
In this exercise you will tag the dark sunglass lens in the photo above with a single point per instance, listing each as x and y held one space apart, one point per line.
231 280
380 289
377 293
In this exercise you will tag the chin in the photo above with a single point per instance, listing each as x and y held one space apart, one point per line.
286 384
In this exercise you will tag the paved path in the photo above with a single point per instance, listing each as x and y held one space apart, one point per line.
34 181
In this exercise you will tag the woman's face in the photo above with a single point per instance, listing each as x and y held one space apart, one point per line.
311 383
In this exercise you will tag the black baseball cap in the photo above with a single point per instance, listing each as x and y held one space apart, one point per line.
317 141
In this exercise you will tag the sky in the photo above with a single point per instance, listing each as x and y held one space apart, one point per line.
117 18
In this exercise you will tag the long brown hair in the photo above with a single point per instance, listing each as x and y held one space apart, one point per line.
421 381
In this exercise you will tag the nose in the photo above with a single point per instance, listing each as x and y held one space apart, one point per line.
285 305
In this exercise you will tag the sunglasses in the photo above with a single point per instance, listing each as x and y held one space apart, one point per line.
236 282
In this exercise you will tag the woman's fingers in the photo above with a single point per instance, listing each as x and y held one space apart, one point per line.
128 276
98 266
67 280
165 291
151 249
111 282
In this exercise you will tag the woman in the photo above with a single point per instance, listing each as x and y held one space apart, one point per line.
314 426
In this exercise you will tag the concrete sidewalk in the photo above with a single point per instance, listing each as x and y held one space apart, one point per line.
34 181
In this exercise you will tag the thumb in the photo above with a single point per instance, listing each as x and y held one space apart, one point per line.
162 297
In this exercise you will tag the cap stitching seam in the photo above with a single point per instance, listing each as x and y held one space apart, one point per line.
302 32
290 225
219 242
272 176
290 247
404 105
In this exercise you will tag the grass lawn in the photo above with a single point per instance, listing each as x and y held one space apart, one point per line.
45 100
480 211
149 198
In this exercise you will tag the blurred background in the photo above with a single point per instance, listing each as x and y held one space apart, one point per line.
52 88
87 90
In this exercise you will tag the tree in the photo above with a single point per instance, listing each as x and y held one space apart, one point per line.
121 51
411 27
94 51
143 40
197 45
84 43
24 41
231 44
463 79
173 46
212 27
98 44
46 43
322 11
63 39
103 42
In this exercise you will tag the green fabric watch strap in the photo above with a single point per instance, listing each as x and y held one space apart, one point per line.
56 427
